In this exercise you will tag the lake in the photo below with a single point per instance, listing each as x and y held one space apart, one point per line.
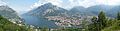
39 22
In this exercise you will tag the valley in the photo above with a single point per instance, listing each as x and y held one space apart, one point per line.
50 17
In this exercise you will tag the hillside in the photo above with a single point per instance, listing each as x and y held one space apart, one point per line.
6 25
10 14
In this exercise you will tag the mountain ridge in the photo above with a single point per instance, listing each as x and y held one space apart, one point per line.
10 14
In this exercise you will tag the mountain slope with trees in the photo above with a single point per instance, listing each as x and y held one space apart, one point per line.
6 25
104 23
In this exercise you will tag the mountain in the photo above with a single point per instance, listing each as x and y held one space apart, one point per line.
79 10
9 13
106 8
52 10
47 10
38 15
76 10
110 11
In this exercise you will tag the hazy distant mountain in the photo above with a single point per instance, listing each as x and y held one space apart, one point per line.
79 10
109 10
94 10
9 13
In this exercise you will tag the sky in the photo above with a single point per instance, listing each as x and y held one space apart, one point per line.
67 4
22 6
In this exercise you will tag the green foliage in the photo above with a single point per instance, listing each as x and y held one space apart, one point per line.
104 24
68 29
102 19
114 27
94 25
109 22
6 25
98 23
113 24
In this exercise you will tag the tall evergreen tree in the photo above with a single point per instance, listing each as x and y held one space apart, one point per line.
118 16
101 20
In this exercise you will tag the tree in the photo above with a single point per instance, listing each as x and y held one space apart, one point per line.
94 19
118 16
102 23
94 25
101 20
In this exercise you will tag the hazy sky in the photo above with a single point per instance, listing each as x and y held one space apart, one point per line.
25 5
20 6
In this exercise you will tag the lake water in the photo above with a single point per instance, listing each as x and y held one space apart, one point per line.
39 22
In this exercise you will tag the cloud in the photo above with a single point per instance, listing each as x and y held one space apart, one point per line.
68 4
2 3
41 2
109 2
